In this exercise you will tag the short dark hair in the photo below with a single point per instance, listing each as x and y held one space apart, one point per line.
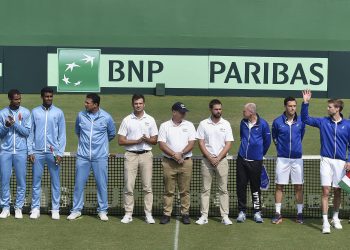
214 102
136 97
337 103
94 97
46 90
289 99
13 92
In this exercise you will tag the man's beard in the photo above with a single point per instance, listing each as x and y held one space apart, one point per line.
217 115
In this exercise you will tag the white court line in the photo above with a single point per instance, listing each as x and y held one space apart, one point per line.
176 237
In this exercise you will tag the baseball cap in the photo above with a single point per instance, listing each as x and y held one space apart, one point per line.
179 106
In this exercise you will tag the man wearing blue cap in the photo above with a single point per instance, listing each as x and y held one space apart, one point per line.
176 139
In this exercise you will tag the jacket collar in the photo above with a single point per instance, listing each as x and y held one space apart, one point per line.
285 118
43 107
246 121
342 118
97 113
14 111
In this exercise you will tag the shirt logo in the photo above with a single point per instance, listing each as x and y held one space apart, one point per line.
184 130
222 129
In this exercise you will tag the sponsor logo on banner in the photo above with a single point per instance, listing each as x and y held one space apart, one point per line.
78 70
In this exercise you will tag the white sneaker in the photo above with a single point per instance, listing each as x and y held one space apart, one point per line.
241 217
35 213
55 214
326 228
126 219
103 216
149 219
74 215
202 220
336 224
225 220
18 213
258 218
5 213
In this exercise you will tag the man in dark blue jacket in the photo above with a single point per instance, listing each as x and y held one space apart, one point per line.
335 138
287 134
255 141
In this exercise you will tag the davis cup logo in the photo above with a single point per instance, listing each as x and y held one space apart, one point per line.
78 70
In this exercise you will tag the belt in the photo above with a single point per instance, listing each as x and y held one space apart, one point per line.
139 152
172 159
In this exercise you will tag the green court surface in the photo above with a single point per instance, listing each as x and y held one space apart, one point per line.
159 107
90 233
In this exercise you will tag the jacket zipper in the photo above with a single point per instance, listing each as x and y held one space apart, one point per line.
335 139
246 152
290 140
92 125
14 135
45 130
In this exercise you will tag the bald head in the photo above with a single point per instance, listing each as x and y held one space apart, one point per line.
251 107
249 110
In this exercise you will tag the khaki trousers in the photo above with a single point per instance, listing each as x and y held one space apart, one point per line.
132 162
221 173
180 173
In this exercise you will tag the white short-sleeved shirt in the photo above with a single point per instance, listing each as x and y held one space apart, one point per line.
177 136
134 128
215 135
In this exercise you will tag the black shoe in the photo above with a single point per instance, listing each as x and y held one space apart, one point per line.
186 219
165 219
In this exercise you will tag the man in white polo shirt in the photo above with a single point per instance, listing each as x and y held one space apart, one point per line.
215 140
138 132
176 139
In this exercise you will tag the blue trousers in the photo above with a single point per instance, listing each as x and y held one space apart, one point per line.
100 170
54 170
19 162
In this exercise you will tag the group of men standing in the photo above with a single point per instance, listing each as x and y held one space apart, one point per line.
41 135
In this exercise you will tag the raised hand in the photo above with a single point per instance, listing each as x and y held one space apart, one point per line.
306 95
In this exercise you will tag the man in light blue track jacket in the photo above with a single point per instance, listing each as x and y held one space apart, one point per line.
15 125
46 144
94 128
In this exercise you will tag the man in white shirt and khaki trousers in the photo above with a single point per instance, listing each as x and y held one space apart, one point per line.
176 139
215 140
138 132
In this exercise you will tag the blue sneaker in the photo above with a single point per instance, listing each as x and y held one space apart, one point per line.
300 218
241 217
258 218
277 219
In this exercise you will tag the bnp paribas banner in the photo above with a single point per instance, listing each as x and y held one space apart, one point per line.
87 70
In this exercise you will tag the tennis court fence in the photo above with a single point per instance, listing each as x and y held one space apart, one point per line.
312 190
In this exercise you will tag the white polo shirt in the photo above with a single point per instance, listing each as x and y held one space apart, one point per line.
177 136
134 128
215 135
